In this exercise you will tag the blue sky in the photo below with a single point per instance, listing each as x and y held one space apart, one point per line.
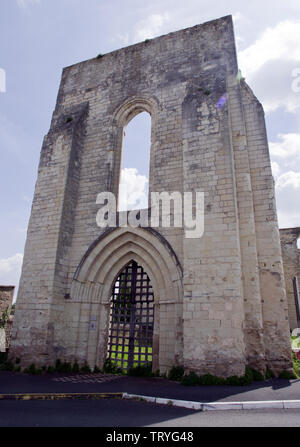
40 37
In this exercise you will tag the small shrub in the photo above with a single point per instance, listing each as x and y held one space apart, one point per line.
296 364
190 380
140 371
176 373
18 369
286 375
32 369
249 375
96 369
209 379
147 40
69 119
99 56
75 367
233 380
207 92
4 318
7 366
257 375
3 357
109 367
50 369
58 365
269 373
66 367
156 373
85 368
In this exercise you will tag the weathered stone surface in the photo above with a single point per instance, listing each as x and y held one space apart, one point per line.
6 299
220 299
291 266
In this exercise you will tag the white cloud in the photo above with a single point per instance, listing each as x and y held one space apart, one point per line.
280 42
150 27
133 190
10 270
269 64
285 155
286 151
27 3
288 179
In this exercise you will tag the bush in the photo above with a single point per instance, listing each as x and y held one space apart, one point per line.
66 367
58 365
75 367
190 380
176 373
3 357
257 376
233 381
296 364
209 379
96 369
286 375
32 370
109 367
140 371
269 373
50 369
7 366
85 368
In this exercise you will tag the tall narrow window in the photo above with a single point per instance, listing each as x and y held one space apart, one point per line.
134 179
298 243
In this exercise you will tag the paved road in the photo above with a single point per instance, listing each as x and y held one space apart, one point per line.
122 413
274 389
86 413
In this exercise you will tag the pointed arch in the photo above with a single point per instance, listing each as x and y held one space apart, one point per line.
99 269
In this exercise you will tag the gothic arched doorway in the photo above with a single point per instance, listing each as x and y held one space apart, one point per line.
131 324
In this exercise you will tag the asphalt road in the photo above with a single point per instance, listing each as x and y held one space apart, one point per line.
123 413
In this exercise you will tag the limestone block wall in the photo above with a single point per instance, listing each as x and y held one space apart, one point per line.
220 302
291 266
269 260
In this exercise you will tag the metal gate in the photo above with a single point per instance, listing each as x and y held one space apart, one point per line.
131 319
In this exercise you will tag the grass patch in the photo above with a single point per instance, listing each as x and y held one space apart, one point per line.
120 353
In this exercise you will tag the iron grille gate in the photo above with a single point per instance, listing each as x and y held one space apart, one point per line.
131 319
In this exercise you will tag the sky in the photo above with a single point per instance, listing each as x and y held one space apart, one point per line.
40 37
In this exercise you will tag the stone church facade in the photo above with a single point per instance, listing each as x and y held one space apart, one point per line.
219 301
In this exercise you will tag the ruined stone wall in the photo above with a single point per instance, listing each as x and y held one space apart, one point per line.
6 297
291 265
213 313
